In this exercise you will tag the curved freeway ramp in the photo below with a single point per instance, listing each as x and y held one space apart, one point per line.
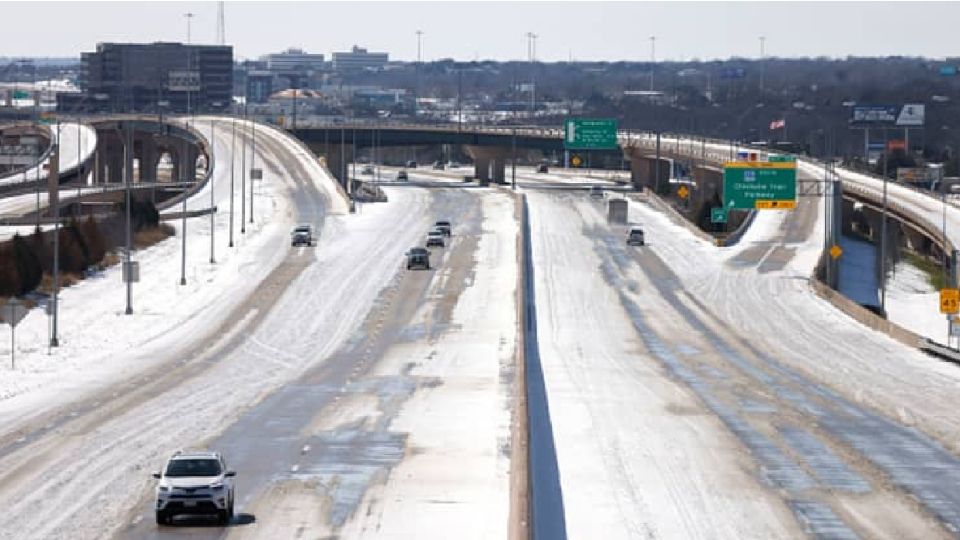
78 142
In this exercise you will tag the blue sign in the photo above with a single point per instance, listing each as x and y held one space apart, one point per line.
948 71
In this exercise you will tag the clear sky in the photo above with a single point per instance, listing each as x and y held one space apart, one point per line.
496 30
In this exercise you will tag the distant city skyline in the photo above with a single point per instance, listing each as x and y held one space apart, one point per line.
580 31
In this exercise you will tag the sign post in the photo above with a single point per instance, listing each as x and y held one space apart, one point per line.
760 185
13 312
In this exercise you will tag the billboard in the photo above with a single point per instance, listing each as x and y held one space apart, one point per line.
880 116
919 175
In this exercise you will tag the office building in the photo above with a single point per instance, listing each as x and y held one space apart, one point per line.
295 60
154 77
359 59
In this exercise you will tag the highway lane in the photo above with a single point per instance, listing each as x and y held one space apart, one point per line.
839 467
317 454
786 374
77 141
141 417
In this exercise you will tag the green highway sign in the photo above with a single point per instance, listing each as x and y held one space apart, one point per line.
590 134
718 215
749 185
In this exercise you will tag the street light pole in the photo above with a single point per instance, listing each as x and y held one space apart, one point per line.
883 233
416 95
213 223
763 63
253 157
127 180
185 167
233 160
653 58
55 210
243 176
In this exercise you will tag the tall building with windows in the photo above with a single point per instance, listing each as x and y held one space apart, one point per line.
294 60
153 77
359 59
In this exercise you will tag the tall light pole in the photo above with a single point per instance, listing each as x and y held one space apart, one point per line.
188 16
416 94
233 161
55 210
253 157
883 232
532 57
653 58
213 223
763 62
243 175
128 232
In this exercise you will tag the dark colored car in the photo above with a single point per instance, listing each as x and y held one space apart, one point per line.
411 164
402 175
418 257
542 168
438 166
444 227
302 235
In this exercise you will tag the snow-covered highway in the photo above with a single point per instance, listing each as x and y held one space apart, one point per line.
693 391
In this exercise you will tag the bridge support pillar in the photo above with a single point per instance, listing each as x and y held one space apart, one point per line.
481 169
489 162
148 158
643 169
500 170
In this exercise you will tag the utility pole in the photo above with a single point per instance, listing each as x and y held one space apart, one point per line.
513 159
653 58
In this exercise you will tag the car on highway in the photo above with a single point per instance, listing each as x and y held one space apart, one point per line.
402 176
411 164
444 227
542 168
367 169
596 192
438 165
435 238
302 235
635 237
194 483
418 257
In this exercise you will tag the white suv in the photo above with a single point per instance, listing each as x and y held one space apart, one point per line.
195 483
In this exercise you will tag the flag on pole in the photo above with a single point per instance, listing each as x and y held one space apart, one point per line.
778 124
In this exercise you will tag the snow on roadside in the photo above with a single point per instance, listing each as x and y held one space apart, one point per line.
100 344
783 316
914 304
